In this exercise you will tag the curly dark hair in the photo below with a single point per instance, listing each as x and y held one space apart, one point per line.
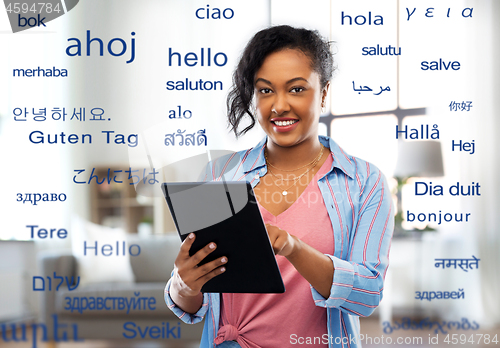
262 44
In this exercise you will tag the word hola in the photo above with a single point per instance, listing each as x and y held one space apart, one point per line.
361 20
466 12
107 249
439 65
465 146
422 188
77 47
422 133
215 13
68 282
42 233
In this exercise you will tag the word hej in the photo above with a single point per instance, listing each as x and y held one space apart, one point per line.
467 263
99 303
422 188
438 295
60 332
427 324
68 282
38 137
113 50
163 331
107 249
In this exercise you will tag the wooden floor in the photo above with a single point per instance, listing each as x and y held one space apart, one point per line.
370 328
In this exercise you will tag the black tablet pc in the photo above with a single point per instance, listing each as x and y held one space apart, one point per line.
226 212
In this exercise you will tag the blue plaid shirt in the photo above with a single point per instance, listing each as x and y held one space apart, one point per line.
359 205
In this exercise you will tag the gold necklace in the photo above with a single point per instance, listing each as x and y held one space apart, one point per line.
295 180
292 170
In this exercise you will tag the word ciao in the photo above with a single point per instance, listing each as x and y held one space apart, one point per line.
427 324
37 197
113 50
60 332
68 282
438 295
422 188
214 13
163 331
467 263
83 303
429 12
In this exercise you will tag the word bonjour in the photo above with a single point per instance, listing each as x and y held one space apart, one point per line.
439 217
69 283
467 263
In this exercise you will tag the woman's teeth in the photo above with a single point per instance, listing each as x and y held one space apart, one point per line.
284 123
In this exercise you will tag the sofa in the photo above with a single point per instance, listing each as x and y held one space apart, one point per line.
127 311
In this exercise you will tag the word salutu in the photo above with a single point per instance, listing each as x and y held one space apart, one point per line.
380 51
368 89
186 139
69 283
467 263
134 304
58 113
427 324
423 188
438 295
114 177
37 197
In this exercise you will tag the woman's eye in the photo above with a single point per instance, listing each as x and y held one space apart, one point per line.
297 89
265 90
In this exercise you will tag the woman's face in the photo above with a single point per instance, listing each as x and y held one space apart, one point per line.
288 98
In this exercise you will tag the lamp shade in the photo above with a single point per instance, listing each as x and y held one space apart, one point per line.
419 159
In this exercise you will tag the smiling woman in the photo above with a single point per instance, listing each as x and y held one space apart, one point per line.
328 215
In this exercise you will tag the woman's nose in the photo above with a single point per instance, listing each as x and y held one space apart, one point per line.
280 104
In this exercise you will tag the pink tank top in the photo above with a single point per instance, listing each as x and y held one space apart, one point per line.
278 320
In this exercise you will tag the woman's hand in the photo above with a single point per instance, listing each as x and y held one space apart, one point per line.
283 243
189 278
